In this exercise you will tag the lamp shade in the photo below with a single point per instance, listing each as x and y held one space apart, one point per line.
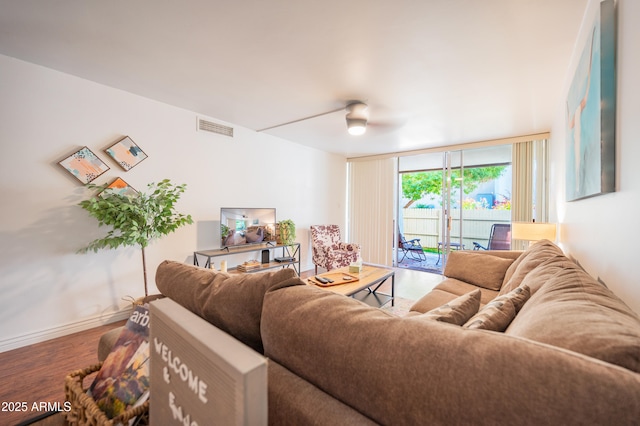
533 231
357 117
356 126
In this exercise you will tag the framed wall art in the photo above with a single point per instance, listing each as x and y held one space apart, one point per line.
84 165
126 153
120 187
591 112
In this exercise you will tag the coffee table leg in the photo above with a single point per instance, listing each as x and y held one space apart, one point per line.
393 290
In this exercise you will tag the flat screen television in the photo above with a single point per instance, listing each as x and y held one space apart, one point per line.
241 226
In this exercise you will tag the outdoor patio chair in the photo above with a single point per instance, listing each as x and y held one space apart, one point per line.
499 239
452 245
413 248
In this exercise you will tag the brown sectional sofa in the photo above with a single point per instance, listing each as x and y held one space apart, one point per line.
569 352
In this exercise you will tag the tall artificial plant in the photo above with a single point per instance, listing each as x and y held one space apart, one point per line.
136 220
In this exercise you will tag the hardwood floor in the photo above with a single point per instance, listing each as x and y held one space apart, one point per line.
36 373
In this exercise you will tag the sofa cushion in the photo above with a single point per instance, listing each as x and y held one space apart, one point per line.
446 291
294 401
482 270
528 260
457 311
233 303
498 314
459 288
574 311
432 300
540 274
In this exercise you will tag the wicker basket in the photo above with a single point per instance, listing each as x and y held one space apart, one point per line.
84 410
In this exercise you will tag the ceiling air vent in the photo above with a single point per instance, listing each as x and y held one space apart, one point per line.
209 126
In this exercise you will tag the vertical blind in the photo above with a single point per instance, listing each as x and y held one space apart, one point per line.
372 201
530 184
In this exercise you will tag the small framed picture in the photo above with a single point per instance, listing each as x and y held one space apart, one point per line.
120 187
126 153
84 165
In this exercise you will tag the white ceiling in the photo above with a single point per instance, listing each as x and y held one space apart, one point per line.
434 72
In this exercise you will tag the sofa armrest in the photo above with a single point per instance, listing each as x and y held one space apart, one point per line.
107 340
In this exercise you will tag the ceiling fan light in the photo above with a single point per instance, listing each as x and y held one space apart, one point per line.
356 126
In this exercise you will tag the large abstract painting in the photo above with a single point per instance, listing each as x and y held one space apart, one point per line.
591 112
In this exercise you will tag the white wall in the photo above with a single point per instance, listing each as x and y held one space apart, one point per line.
46 289
603 232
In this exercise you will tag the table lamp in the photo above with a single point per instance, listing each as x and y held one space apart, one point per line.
533 231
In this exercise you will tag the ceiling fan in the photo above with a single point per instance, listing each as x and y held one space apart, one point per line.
357 118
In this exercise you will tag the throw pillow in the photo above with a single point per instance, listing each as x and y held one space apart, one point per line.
495 316
518 296
498 314
482 270
233 303
457 311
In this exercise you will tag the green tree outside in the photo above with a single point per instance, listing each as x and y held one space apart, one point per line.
419 184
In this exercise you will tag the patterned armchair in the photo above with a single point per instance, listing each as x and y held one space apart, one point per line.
328 251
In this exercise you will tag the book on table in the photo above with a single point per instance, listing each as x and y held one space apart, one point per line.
123 380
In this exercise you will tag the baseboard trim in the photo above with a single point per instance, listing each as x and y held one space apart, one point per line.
60 331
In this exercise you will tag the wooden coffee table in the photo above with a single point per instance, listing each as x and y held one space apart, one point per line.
365 289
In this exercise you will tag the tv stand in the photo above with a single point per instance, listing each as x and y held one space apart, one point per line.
268 243
288 251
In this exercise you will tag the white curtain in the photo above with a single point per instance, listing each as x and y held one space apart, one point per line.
530 184
372 201
522 168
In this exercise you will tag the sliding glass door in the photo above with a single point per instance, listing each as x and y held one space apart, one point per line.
453 200
453 184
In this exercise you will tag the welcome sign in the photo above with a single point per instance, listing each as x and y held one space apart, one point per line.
200 375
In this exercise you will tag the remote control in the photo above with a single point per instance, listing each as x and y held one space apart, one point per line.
322 280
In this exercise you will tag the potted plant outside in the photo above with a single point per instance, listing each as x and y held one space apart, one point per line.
136 220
